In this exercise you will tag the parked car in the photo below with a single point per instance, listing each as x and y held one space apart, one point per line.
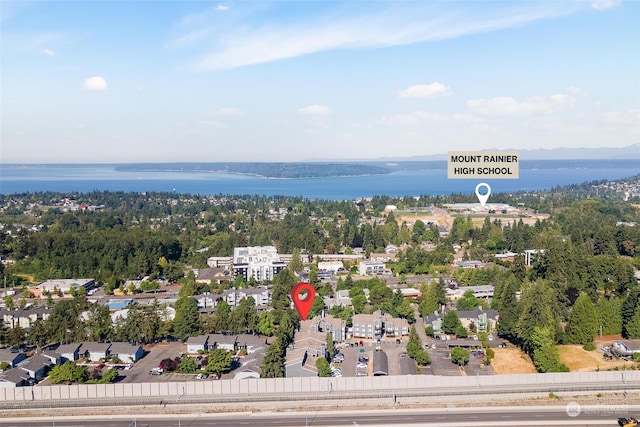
202 376
128 367
362 374
361 365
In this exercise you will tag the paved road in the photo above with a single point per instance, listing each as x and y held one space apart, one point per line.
513 416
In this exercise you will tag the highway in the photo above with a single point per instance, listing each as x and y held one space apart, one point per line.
448 417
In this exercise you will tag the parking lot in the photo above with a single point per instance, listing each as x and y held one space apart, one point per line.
140 370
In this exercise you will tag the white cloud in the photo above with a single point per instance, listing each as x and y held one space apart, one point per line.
227 111
433 90
95 83
222 7
314 110
48 52
628 118
363 25
507 106
605 4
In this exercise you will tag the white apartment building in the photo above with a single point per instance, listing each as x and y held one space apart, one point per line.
260 262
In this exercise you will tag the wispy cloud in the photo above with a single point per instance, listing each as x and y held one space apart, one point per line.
605 4
433 90
314 110
261 36
508 106
48 52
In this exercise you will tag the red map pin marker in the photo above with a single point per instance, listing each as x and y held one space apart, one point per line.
304 302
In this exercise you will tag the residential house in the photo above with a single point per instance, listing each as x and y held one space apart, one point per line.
126 352
225 342
197 344
36 366
94 351
12 357
14 377
69 351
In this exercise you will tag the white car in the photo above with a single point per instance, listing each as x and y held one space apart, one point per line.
362 365
128 367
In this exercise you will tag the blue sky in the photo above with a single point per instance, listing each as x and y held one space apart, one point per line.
134 81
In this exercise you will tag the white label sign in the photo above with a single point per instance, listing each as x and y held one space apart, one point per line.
483 164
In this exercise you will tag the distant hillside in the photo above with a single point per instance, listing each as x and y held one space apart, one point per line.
262 169
628 152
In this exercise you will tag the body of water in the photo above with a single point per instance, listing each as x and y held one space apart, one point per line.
412 181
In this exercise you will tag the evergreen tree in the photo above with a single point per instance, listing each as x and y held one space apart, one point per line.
324 369
185 323
451 322
582 325
633 326
509 311
535 303
266 323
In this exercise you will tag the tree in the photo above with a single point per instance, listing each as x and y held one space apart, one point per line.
295 265
582 325
414 345
219 361
266 323
68 372
545 354
451 322
433 297
536 311
273 361
459 356
509 309
98 323
187 365
169 364
633 327
185 323
324 369
16 336
468 302
422 358
222 317
331 349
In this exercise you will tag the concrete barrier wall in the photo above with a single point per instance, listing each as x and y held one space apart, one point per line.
321 386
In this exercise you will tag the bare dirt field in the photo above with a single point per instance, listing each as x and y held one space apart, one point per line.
579 360
443 220
512 361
